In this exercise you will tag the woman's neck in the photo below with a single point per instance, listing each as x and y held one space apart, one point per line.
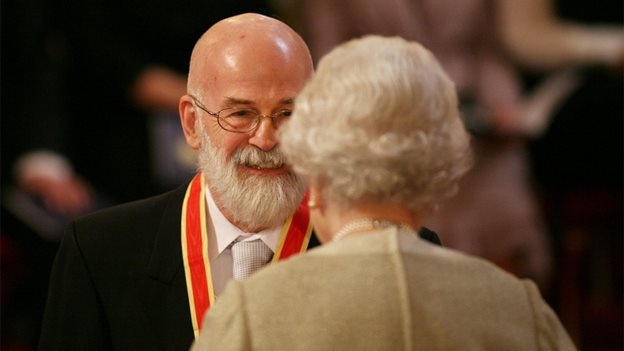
365 217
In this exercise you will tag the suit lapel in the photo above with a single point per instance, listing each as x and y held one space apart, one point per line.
163 287
166 260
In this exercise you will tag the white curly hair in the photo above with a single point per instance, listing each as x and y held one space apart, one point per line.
379 121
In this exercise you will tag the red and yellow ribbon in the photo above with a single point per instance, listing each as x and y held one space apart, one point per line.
294 239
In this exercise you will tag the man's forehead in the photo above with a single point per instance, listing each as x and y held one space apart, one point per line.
241 101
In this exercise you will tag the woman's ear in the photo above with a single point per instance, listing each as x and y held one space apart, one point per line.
188 118
315 198
312 200
319 214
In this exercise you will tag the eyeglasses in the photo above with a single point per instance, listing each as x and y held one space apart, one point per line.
242 120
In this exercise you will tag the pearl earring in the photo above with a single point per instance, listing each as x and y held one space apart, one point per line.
312 203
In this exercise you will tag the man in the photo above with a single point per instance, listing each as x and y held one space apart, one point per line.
141 275
119 280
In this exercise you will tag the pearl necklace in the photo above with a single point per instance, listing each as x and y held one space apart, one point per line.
367 224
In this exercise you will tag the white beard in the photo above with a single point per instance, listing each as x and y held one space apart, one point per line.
254 201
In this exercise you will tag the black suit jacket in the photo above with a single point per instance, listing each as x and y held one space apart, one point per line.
118 281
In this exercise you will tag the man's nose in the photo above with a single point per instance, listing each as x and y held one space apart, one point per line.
265 135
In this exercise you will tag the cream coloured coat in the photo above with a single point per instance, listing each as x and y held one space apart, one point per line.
384 291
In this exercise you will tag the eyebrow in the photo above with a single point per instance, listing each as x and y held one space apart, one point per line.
236 101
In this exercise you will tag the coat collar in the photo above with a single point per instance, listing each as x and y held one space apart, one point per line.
163 288
166 259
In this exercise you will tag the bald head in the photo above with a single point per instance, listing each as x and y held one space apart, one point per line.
249 66
248 44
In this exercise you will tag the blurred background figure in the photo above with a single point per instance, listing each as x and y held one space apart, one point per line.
523 70
89 114
40 188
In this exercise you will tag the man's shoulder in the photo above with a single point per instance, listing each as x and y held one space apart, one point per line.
130 210
130 220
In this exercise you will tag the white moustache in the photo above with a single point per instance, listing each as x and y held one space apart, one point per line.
253 157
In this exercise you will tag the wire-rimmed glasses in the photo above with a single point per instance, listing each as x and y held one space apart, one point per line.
242 120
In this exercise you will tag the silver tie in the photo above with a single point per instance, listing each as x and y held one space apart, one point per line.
248 257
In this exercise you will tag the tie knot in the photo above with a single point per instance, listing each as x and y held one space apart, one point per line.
248 257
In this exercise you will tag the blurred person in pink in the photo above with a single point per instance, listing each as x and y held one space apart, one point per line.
479 43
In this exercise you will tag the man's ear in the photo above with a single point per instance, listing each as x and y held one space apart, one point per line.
188 118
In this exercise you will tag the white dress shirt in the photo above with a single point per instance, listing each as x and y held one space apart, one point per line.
221 234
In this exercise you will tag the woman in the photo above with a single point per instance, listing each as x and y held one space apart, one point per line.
378 137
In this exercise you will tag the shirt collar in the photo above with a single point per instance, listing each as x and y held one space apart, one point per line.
226 232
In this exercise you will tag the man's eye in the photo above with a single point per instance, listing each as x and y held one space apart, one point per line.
241 114
285 113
